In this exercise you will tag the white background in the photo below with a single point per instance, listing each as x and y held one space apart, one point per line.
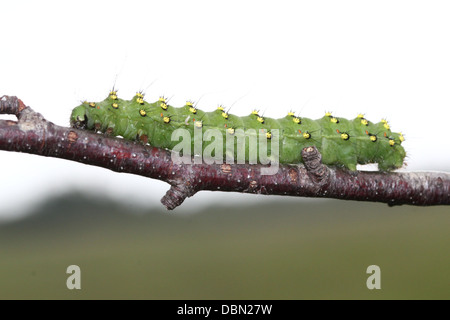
387 59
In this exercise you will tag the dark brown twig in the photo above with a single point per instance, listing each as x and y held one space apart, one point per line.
33 134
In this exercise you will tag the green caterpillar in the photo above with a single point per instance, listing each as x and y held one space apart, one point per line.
341 142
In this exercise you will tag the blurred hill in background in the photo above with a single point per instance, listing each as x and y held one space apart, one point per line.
279 248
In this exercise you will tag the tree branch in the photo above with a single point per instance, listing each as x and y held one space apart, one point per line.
33 134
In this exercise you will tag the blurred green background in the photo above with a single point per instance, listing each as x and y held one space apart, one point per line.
276 248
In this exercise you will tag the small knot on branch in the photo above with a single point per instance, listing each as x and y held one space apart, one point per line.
11 105
175 196
312 159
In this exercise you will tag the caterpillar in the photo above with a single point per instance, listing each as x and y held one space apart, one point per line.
341 142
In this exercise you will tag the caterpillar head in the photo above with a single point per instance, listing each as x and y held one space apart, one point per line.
78 118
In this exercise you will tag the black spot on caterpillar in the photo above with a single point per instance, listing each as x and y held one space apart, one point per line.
341 142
